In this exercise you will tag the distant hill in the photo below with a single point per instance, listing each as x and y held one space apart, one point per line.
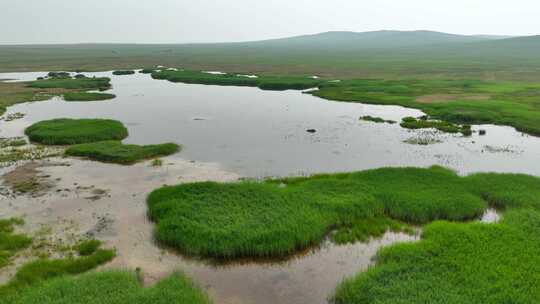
368 40
386 54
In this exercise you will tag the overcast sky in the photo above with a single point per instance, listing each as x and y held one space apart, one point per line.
177 21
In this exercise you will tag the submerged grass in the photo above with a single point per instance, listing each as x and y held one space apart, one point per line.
65 131
86 96
118 287
377 119
124 72
278 217
116 152
456 263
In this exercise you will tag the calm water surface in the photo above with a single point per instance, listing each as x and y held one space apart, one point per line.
262 133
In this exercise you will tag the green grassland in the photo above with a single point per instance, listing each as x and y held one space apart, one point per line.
279 217
86 96
456 263
65 131
116 152
331 55
263 82
118 287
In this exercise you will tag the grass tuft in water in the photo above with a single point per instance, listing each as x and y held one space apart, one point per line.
117 152
124 72
65 131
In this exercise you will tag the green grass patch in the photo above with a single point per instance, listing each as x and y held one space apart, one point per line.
118 287
65 131
124 72
98 83
117 152
10 242
448 127
276 218
40 270
88 247
86 96
456 263
377 119
262 82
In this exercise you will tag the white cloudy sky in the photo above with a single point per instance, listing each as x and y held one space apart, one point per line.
170 21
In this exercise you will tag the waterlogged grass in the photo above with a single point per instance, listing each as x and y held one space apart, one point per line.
64 131
278 217
40 270
124 72
11 242
118 287
376 119
456 101
86 96
116 152
88 247
262 82
98 83
456 263
448 127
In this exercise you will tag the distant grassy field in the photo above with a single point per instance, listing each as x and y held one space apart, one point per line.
277 218
511 59
116 152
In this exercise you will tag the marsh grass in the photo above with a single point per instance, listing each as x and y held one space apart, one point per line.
99 83
88 247
117 152
503 103
456 263
86 96
279 217
263 82
44 269
118 287
65 131
447 127
11 242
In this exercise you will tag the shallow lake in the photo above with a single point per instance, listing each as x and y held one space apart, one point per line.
263 133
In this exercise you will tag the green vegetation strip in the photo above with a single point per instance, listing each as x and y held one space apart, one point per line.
262 82
456 101
10 242
118 287
85 96
101 83
278 217
116 152
64 131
